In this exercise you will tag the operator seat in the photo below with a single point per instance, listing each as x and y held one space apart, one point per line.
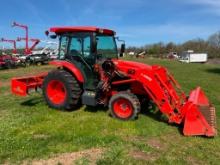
74 52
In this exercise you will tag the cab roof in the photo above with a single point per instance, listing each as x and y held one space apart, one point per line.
60 30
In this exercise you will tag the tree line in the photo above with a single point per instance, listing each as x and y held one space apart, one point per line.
210 46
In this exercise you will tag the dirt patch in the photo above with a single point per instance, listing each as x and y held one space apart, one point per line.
69 158
143 156
153 142
5 83
40 136
194 161
135 138
157 144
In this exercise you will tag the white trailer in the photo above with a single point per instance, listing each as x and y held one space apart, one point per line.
191 57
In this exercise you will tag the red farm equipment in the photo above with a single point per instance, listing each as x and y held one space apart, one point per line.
12 42
90 73
25 27
9 61
35 43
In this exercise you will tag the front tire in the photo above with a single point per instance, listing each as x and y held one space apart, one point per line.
61 90
124 106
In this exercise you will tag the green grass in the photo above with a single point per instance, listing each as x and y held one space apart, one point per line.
30 130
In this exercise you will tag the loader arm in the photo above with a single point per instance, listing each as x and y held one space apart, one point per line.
165 93
195 112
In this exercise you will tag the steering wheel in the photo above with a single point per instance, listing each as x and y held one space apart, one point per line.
81 59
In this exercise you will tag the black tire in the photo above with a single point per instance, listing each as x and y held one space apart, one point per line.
8 65
72 88
27 63
133 102
39 63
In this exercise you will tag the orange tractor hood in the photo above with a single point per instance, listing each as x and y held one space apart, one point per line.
126 65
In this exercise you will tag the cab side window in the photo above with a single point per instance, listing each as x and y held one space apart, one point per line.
63 47
76 47
81 46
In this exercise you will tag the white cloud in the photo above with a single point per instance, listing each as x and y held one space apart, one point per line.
210 6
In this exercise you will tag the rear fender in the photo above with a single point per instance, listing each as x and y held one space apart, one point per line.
70 67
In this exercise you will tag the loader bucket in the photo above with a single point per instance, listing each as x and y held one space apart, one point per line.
200 118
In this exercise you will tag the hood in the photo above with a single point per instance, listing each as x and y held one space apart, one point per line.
124 66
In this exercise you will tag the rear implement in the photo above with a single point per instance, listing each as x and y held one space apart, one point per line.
23 85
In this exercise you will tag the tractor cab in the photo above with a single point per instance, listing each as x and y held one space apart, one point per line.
85 47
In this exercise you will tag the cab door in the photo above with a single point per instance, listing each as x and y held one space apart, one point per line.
79 53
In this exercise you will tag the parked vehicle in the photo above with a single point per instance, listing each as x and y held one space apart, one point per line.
172 55
37 59
8 61
21 59
191 57
53 56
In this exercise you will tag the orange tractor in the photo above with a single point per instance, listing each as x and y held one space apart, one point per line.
89 72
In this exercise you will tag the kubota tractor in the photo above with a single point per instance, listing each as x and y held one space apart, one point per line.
90 73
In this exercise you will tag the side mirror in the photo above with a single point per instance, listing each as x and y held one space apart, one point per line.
53 36
47 33
122 50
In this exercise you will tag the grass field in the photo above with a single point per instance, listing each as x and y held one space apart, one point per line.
29 130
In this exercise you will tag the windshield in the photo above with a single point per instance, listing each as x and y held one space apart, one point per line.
106 46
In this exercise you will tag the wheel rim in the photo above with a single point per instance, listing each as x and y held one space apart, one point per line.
56 92
123 108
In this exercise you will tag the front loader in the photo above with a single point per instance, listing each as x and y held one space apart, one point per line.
90 73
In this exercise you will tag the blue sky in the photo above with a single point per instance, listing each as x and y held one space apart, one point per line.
139 22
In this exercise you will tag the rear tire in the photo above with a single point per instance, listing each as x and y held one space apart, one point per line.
8 65
124 106
61 90
39 63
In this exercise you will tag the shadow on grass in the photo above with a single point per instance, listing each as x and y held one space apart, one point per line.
154 113
32 102
96 108
214 70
